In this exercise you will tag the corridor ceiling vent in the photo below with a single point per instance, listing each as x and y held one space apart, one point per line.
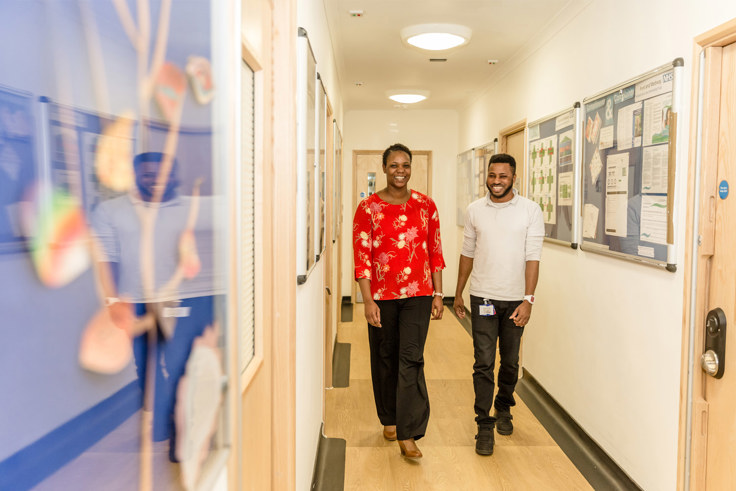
407 96
436 37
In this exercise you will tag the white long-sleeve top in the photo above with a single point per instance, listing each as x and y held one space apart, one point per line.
501 238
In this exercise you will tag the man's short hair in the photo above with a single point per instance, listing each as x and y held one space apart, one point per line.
396 147
503 158
157 157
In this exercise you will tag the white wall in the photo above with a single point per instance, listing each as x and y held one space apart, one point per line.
419 130
310 300
605 335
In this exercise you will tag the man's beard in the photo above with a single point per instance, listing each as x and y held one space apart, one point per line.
506 191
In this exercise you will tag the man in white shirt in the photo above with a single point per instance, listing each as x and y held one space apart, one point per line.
502 247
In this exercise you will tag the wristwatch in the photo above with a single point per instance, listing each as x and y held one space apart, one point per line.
529 298
438 294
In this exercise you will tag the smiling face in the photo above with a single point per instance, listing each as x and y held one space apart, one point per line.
145 178
397 169
500 182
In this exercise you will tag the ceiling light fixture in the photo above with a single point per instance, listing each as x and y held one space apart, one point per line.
407 96
436 37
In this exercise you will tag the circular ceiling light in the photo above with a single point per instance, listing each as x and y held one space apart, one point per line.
436 37
407 96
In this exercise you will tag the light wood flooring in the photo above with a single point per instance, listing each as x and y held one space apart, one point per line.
528 459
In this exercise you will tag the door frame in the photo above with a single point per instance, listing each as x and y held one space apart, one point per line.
428 153
503 136
692 435
329 291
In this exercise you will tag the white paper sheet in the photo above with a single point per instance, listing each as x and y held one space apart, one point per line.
656 114
616 214
653 219
654 169
590 221
629 126
564 189
606 140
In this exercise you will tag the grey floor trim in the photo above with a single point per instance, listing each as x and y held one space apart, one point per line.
329 464
341 365
346 312
590 459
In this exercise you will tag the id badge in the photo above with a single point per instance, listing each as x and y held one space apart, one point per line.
487 309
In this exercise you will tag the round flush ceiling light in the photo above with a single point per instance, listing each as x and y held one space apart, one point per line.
407 96
436 37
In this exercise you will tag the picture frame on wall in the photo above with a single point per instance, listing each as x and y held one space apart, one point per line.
306 128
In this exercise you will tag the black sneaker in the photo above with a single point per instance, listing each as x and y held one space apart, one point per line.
484 440
504 426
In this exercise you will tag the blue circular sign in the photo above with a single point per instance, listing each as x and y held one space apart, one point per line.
723 189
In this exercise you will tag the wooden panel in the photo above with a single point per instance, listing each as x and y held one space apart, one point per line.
283 308
721 394
712 94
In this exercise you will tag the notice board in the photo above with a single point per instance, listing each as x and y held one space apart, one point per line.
554 173
629 168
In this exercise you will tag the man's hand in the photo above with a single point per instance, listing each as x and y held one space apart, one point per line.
437 308
522 313
372 312
459 306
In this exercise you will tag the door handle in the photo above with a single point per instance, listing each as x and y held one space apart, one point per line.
713 359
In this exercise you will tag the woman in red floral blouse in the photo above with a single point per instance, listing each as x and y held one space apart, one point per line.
398 266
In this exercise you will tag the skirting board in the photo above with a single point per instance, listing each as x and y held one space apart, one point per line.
590 459
329 464
341 365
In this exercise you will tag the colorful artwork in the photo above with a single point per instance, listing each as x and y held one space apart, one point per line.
198 400
199 72
169 91
57 227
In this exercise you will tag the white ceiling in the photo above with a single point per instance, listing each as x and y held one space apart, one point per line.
369 49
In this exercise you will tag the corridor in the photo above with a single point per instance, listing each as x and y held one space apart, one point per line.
528 459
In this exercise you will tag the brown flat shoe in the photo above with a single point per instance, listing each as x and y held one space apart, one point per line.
389 433
409 449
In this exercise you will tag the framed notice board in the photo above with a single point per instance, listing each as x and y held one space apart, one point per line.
629 168
554 173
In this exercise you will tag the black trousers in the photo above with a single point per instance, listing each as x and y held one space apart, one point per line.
397 365
487 332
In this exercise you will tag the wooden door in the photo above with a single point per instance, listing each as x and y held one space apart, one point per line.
368 177
513 142
515 148
719 218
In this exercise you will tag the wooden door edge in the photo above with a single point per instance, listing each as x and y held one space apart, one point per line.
717 37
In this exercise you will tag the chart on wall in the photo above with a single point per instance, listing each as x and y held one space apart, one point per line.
629 168
553 170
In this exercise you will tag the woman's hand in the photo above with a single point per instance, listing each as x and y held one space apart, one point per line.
372 312
437 308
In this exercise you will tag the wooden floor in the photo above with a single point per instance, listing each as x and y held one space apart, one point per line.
528 459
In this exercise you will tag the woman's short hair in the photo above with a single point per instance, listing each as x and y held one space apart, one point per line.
396 147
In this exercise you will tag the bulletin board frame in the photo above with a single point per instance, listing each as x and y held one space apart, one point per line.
306 90
629 202
553 173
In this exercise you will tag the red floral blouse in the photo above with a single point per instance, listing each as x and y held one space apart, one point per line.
397 247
